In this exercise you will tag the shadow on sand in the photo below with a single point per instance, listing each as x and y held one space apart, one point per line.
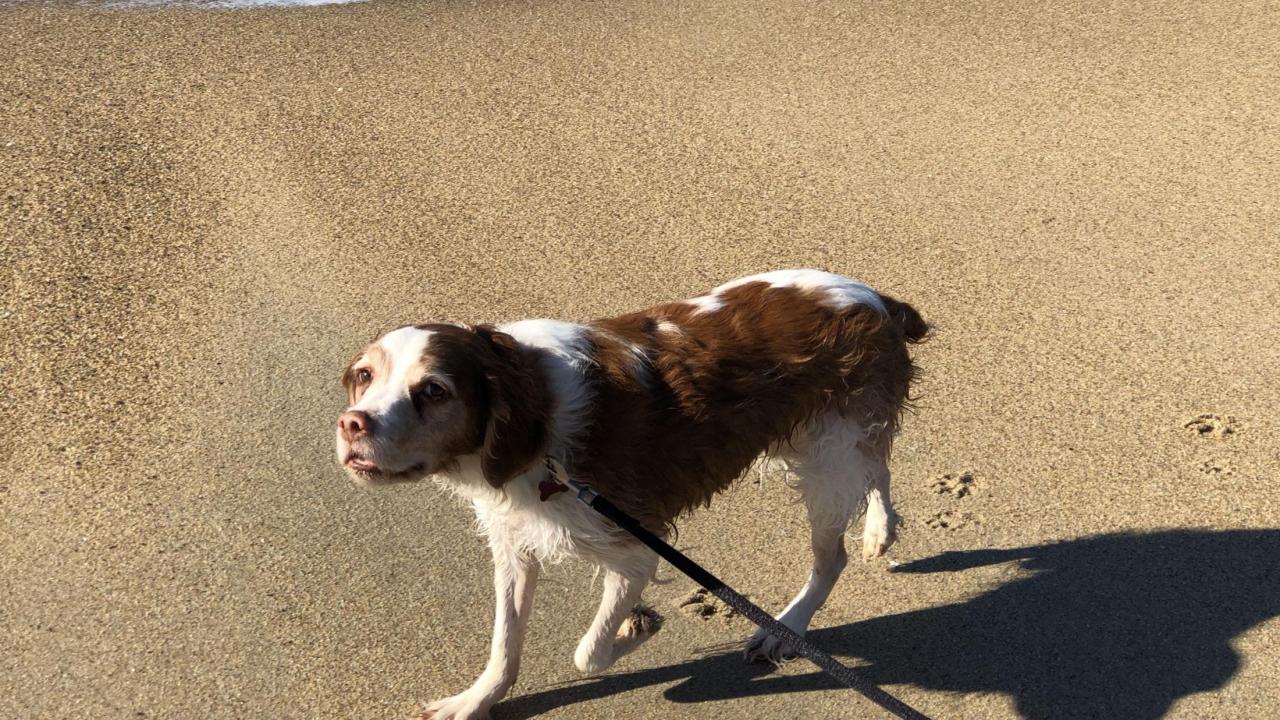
1116 626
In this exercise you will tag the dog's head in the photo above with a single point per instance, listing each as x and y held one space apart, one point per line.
420 397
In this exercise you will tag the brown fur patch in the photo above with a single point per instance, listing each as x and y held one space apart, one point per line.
729 385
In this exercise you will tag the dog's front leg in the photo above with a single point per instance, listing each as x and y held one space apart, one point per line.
621 624
514 575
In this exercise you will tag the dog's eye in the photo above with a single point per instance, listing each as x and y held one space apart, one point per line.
363 376
434 391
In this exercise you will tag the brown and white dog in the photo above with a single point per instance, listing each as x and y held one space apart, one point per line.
657 410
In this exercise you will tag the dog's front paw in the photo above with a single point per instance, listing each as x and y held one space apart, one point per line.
597 654
763 646
463 706
643 623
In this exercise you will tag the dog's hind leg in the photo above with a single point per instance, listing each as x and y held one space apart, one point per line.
621 624
880 529
833 474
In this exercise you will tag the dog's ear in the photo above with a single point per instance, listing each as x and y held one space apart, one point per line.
516 433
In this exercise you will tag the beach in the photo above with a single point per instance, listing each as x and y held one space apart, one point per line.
207 212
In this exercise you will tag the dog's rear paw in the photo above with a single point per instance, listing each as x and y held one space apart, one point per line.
876 540
764 647
459 707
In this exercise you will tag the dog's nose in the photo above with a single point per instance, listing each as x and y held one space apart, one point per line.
354 423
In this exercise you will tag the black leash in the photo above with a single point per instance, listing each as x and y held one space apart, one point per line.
713 584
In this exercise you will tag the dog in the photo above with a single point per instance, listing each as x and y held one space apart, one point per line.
658 411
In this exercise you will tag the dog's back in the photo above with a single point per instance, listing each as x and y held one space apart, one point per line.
689 394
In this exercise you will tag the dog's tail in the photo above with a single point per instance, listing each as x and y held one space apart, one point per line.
908 319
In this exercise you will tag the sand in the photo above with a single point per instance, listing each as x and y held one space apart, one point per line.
206 213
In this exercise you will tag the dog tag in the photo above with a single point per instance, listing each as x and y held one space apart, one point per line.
547 488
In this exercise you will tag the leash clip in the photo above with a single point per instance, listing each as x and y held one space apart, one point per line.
558 481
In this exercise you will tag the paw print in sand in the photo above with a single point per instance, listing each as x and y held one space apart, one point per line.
1217 468
1212 425
701 603
957 485
950 520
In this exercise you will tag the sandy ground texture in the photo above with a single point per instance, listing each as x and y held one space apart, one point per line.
206 213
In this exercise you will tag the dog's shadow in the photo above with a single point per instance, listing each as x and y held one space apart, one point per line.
1110 626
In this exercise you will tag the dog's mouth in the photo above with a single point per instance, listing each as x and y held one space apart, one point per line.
361 464
367 470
